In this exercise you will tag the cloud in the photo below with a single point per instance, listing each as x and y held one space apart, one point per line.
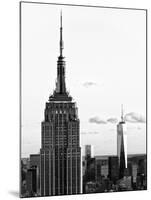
96 120
89 84
131 117
90 132
134 118
112 120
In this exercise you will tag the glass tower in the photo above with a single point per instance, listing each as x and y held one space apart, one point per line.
122 146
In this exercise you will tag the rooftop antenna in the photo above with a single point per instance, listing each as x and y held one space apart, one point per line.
122 113
61 40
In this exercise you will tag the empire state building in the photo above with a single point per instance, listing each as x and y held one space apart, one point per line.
60 153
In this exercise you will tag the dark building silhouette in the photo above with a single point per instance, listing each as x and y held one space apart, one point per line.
139 171
31 181
60 154
35 161
101 167
113 168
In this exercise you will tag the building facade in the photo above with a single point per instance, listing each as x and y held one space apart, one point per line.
60 153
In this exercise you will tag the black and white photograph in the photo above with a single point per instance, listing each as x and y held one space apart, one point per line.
83 82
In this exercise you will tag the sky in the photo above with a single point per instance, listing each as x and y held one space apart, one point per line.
105 54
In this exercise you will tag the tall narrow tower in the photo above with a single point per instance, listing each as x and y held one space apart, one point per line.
60 153
122 145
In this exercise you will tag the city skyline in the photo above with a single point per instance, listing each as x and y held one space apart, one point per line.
61 168
101 122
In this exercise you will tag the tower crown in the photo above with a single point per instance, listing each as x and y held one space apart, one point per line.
60 93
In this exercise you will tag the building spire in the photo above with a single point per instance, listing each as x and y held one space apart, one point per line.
61 40
122 113
60 92
61 85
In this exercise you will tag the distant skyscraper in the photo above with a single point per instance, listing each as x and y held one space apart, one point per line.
102 167
60 153
31 180
89 153
35 162
122 146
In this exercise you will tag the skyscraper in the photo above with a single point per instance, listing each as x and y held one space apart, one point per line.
89 151
60 154
122 146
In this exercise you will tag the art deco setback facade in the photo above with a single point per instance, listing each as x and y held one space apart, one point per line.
60 153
